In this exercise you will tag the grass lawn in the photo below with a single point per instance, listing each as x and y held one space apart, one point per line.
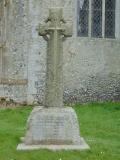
100 126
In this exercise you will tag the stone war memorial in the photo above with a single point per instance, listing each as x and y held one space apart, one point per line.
53 126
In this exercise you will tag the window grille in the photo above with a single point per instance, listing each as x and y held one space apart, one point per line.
96 18
110 18
83 21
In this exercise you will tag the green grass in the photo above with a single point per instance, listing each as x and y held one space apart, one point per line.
100 126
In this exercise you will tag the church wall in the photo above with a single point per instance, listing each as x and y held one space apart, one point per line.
13 77
91 66
92 72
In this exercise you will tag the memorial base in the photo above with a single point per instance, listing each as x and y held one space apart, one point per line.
54 129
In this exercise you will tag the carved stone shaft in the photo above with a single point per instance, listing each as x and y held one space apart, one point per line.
54 32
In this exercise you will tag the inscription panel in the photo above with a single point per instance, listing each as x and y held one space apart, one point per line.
52 126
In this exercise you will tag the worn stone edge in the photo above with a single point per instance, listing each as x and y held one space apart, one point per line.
82 146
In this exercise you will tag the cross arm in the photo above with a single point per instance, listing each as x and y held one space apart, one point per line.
68 31
42 30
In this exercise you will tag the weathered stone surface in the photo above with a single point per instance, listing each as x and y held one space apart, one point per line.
54 32
81 146
13 54
53 126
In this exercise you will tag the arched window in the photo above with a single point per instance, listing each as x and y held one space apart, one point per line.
96 18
